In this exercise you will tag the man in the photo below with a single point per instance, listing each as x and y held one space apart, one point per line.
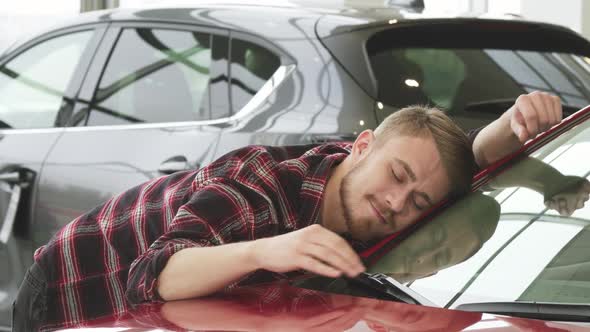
262 209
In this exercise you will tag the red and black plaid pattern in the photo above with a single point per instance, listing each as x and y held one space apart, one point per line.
109 258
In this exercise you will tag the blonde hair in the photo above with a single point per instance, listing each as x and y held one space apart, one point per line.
451 141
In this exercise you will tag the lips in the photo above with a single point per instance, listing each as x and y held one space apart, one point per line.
379 215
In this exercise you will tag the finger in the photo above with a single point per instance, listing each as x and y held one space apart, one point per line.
580 203
570 208
558 110
518 127
554 105
529 108
327 238
318 267
562 206
332 258
543 107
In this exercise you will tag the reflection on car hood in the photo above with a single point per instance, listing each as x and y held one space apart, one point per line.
278 306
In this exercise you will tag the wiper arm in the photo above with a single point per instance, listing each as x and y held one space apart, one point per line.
373 285
538 310
385 284
4 125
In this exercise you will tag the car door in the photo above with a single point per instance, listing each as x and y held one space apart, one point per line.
38 83
145 110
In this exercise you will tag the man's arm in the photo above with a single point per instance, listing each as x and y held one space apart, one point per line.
214 240
201 271
530 115
563 193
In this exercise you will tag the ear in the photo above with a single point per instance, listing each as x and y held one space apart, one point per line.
362 145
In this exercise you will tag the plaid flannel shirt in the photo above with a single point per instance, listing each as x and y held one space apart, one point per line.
108 259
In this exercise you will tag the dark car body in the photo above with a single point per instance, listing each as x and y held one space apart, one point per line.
114 98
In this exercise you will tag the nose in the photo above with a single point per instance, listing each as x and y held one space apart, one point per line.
396 201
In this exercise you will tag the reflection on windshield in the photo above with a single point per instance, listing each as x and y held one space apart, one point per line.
452 237
524 237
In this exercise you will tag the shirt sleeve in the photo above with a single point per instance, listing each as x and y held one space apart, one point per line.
215 214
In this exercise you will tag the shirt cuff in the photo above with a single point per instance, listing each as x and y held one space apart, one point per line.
142 282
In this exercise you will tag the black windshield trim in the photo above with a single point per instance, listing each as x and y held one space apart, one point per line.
572 312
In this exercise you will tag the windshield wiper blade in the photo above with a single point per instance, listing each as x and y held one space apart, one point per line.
538 310
385 284
373 285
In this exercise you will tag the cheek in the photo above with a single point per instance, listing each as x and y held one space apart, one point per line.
408 218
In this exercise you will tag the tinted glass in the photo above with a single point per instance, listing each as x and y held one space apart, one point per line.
34 83
251 67
475 85
524 238
219 91
155 76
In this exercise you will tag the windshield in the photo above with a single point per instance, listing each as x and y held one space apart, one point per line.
476 85
523 236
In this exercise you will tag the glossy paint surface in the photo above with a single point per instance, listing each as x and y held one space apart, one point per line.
280 307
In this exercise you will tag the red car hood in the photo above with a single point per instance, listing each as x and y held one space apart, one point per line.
280 307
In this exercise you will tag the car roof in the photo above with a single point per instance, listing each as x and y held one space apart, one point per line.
334 18
249 14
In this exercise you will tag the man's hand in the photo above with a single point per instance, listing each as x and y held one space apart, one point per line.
530 115
534 113
571 198
313 248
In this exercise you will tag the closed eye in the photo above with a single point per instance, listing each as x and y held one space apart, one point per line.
420 201
418 206
397 178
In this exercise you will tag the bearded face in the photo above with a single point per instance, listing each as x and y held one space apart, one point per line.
390 186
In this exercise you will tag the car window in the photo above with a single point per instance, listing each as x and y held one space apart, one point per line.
33 84
154 76
218 88
475 86
251 67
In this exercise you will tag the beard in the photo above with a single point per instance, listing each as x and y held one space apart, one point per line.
346 200
357 227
